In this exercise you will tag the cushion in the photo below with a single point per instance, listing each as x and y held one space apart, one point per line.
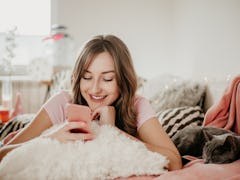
151 87
140 82
15 124
175 119
44 158
61 81
183 93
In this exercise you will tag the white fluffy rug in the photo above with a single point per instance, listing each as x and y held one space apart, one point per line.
110 155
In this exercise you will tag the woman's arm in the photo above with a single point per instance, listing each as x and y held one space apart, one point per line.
157 140
5 149
34 129
40 123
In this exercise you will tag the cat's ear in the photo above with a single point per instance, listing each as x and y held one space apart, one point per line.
231 141
207 136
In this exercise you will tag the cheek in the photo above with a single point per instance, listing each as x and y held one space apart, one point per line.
116 91
83 86
113 88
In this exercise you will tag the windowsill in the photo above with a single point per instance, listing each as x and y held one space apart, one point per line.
25 79
16 77
20 73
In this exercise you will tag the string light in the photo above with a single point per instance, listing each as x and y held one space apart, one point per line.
229 77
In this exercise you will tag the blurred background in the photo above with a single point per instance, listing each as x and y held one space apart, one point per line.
189 38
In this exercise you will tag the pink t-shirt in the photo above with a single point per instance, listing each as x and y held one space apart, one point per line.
55 108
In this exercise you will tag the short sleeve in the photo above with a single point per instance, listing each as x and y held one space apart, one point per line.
55 107
144 110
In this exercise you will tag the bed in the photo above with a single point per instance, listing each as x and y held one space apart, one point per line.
179 103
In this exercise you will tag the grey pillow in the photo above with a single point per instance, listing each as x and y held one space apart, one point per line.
184 93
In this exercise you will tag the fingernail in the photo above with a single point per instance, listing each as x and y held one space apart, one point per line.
92 136
82 123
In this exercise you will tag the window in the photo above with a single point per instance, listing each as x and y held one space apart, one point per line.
33 21
32 17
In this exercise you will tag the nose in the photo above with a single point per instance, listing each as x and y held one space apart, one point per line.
95 87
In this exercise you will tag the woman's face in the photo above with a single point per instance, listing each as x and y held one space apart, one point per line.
98 85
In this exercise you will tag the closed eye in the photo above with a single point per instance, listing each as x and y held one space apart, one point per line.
87 78
108 80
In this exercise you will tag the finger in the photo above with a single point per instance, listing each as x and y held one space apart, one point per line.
9 137
80 130
78 127
81 136
6 139
95 114
75 125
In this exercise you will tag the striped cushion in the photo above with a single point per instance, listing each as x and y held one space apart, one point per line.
15 124
175 119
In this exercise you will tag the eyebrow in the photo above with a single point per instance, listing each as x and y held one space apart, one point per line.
105 72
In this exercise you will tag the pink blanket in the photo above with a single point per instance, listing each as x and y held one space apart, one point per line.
226 113
197 170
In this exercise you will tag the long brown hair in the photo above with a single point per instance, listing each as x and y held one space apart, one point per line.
125 76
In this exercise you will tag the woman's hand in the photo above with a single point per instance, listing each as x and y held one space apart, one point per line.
106 114
10 136
64 134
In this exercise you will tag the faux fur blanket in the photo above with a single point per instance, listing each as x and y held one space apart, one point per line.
110 155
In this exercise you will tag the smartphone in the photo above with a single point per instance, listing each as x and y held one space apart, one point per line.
76 112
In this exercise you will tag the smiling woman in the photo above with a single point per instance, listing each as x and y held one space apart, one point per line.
104 79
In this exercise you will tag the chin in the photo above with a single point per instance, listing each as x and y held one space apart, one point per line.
94 106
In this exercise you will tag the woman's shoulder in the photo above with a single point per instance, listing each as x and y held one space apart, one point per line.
63 94
139 99
55 106
141 104
144 110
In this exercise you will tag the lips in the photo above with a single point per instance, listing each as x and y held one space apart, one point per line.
97 99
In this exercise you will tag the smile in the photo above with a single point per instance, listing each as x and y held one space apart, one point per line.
97 97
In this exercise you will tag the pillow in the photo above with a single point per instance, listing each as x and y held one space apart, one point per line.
15 124
179 94
151 87
140 82
60 81
175 119
104 157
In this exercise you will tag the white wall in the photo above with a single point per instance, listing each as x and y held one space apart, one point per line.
182 37
208 36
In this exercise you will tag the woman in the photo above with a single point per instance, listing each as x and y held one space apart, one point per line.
104 79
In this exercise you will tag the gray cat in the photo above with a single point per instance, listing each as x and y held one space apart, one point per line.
213 145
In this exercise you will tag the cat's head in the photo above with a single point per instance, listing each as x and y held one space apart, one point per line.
222 149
